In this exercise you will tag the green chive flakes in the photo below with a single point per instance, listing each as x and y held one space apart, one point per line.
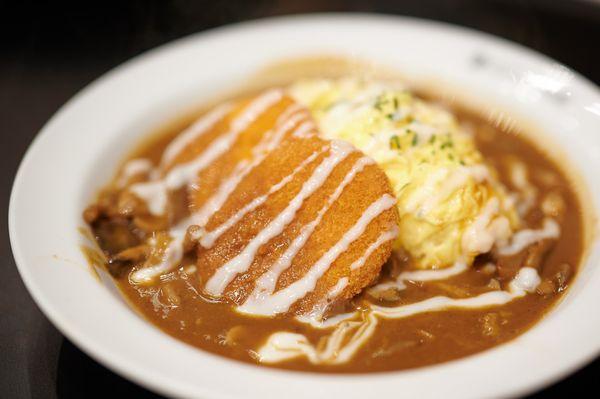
395 142
380 102
447 144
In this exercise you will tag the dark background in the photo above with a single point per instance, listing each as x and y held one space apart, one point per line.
50 50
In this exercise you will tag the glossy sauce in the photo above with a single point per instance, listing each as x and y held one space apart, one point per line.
177 307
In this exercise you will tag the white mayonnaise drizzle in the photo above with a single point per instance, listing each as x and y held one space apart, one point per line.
170 258
184 174
315 317
427 189
155 193
208 238
525 238
486 230
133 168
305 129
457 179
337 288
338 349
431 275
281 300
244 167
420 275
519 177
525 281
265 284
383 238
240 263
173 253
196 130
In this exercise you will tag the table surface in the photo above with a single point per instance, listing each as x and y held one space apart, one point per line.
49 52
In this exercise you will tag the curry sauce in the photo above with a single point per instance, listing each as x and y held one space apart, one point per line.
177 304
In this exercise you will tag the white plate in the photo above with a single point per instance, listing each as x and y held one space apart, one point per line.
78 149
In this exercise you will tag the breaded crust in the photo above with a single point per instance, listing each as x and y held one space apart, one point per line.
293 162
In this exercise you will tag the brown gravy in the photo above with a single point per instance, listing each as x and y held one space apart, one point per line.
176 306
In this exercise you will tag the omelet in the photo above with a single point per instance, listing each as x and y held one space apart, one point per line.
451 204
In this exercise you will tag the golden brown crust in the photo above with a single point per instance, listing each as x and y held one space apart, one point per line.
366 187
295 158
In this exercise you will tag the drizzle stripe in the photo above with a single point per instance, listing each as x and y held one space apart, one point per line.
243 168
183 174
282 300
241 263
265 285
338 349
209 237
196 130
383 238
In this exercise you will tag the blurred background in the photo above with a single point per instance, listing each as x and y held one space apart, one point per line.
50 50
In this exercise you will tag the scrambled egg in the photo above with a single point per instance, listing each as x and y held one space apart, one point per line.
452 206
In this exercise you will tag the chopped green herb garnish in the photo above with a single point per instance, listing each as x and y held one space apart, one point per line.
395 103
415 139
447 144
432 139
462 162
395 142
379 102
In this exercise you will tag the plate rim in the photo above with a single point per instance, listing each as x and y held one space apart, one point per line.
120 366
